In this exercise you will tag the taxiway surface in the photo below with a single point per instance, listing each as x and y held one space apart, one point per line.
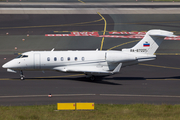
151 82
156 84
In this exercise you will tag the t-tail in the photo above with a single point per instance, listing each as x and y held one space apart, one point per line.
150 43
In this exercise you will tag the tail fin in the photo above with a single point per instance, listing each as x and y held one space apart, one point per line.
151 41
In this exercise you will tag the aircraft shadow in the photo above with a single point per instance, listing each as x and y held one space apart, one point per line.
103 80
125 78
142 78
81 79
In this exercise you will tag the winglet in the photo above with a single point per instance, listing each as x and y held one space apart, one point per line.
117 69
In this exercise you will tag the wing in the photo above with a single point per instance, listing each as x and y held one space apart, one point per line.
87 70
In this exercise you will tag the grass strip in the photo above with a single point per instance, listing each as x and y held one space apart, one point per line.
101 112
165 0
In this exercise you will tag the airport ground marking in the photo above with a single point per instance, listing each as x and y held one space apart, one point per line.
167 53
81 23
123 44
159 66
81 1
104 32
54 95
131 95
71 24
6 79
110 95
46 77
62 76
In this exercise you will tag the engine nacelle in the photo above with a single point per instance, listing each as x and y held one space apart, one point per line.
119 57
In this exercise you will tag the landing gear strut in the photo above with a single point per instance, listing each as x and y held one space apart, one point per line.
21 75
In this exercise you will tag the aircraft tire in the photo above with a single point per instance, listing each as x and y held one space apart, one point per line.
92 78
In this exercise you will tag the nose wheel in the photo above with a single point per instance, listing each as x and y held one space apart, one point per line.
21 75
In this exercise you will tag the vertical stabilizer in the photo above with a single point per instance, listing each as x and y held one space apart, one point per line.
151 41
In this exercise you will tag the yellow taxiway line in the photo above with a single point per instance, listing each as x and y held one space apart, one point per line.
42 26
123 44
159 66
46 77
81 1
105 24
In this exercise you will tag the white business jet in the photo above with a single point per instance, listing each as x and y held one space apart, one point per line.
91 63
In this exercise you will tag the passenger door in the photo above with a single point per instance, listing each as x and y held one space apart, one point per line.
37 62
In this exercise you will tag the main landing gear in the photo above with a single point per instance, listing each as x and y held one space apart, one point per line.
91 77
21 75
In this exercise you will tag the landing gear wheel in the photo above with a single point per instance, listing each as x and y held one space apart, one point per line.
92 78
22 77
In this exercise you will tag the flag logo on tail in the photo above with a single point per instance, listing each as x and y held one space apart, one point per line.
146 44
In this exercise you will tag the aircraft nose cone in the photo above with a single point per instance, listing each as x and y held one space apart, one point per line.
5 65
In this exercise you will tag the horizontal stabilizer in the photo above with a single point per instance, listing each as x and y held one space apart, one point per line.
161 33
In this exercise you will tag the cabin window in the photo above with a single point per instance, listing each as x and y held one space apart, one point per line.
75 58
55 58
62 59
82 58
48 59
68 58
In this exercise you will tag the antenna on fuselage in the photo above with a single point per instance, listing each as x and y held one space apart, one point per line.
52 49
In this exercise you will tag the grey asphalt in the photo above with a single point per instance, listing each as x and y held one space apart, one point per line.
18 26
116 5
69 1
134 84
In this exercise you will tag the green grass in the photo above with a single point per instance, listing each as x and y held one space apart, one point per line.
101 112
165 0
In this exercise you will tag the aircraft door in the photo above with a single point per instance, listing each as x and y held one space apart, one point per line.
37 63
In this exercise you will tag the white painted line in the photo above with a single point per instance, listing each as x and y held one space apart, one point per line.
125 9
89 10
130 95
53 95
92 3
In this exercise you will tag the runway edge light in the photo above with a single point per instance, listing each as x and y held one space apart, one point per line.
84 106
66 106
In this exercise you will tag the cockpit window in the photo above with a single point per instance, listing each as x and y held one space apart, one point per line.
22 56
19 56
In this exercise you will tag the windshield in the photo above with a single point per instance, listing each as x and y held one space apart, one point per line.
22 56
19 56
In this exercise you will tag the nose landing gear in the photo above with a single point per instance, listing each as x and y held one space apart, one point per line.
21 75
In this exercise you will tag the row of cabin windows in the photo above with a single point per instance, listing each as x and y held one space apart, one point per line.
68 58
